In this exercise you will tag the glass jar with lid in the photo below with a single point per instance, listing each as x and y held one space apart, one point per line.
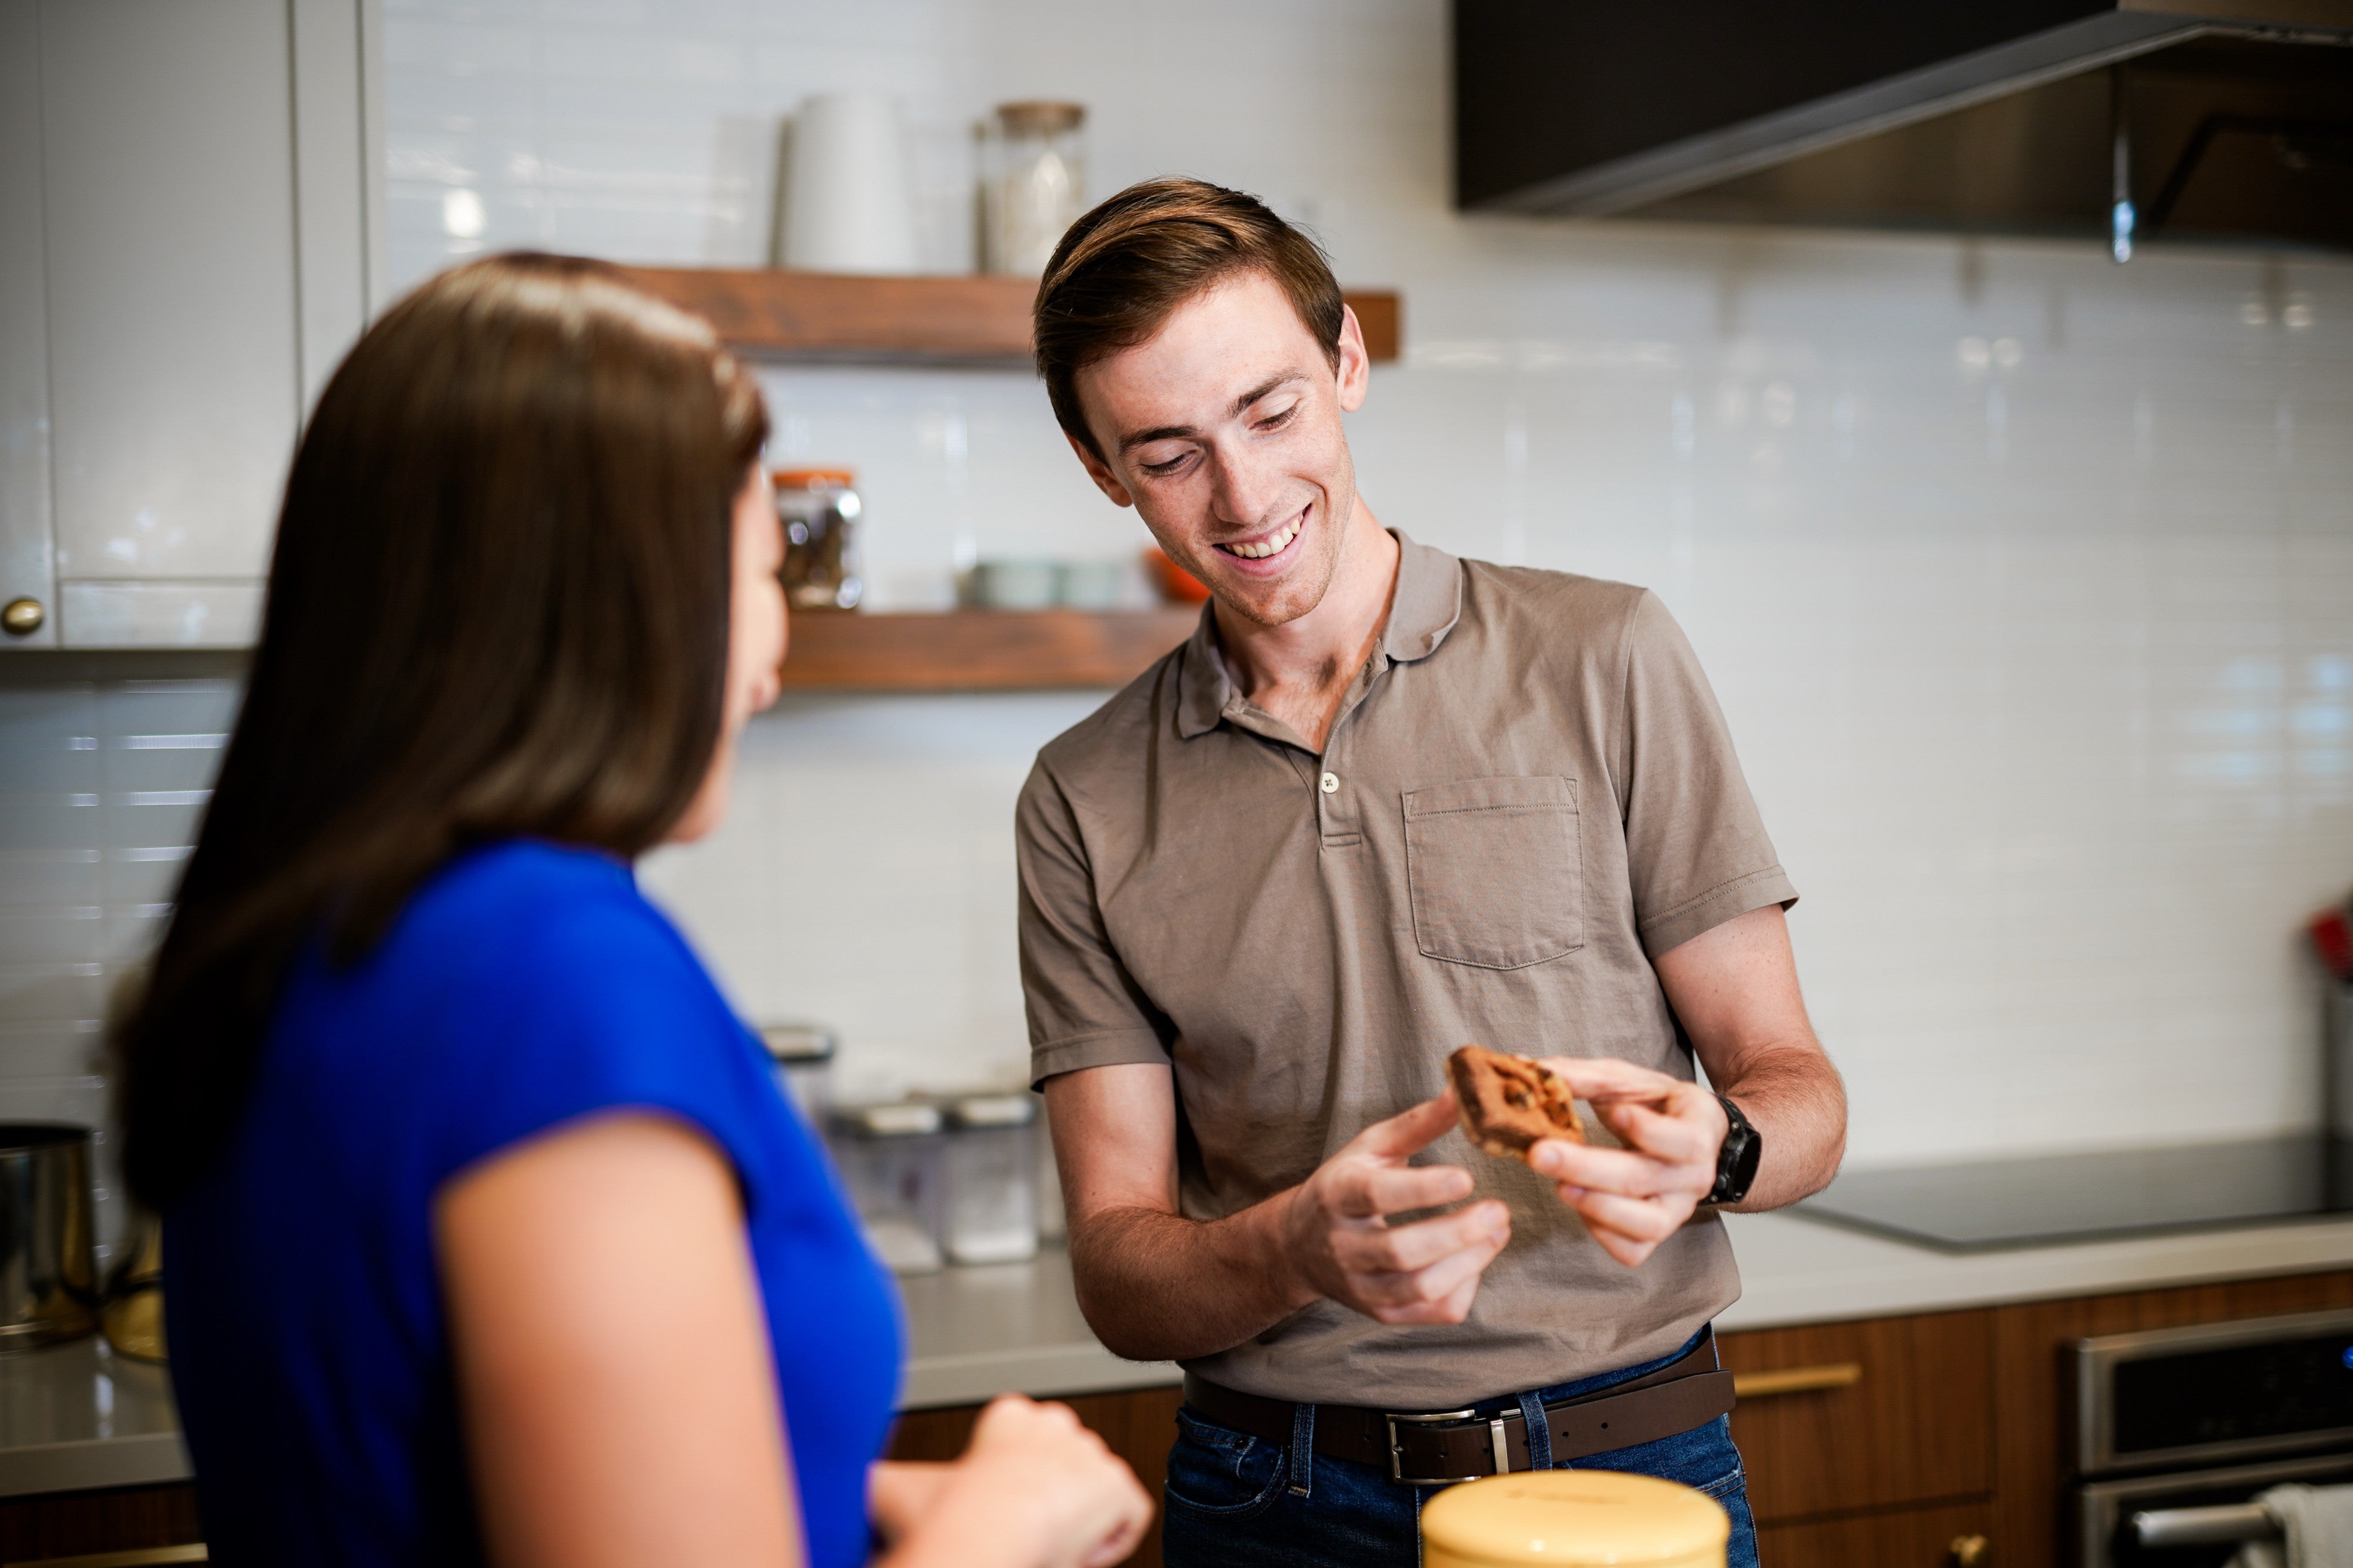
992 1178
820 509
1033 184
891 1158
803 1054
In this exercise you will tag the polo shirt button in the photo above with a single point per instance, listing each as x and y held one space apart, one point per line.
1331 783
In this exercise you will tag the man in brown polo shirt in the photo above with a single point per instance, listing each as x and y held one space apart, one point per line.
1384 803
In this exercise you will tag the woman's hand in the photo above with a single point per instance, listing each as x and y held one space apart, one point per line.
900 1492
1036 1489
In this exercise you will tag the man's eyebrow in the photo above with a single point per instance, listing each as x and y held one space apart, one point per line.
1179 432
1263 388
1129 443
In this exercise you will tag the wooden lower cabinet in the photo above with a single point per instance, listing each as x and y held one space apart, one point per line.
1841 1417
79 1524
1944 1536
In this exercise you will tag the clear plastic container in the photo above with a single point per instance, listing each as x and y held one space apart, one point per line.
892 1159
992 1178
1033 185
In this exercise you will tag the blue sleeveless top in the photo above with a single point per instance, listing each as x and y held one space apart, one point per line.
525 985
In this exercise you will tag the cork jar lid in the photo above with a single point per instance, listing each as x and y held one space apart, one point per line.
1583 1517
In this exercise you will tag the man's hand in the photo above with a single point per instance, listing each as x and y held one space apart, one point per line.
1633 1198
1155 1286
1337 1233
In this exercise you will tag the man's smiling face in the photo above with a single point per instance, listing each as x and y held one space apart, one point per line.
1223 431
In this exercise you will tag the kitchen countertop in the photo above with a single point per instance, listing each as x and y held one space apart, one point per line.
1796 1270
75 1416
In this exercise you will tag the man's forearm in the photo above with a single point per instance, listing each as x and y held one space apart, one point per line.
1156 1287
1798 1104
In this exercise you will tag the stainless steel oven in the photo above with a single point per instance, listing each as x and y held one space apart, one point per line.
2178 1430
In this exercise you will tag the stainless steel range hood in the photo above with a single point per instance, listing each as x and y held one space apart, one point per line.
2207 118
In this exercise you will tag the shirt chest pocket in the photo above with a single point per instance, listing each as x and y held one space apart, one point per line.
1496 871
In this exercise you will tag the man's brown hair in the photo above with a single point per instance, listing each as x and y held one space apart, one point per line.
1123 270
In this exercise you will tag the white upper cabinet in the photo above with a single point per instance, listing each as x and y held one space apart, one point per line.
28 575
184 248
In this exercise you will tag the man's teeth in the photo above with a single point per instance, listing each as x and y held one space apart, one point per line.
1266 547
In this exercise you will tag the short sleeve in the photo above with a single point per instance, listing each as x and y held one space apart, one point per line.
1085 1010
1696 851
604 1008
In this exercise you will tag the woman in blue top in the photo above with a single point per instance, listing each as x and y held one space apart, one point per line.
487 1237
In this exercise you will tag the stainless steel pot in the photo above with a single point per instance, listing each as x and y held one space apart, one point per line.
47 1269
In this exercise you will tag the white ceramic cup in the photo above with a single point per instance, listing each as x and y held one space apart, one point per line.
848 190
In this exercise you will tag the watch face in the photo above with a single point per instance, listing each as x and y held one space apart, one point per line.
1747 1158
1736 1161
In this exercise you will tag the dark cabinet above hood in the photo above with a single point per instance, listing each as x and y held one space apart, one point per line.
2209 119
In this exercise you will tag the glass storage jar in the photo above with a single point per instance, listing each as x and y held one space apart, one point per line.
803 1054
819 508
1033 184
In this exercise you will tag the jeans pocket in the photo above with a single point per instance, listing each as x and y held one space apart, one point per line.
1493 870
1219 1473
1723 1486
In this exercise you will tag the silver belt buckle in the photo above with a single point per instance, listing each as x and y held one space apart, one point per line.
1397 1454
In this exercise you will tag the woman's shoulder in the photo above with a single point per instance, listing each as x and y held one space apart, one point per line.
528 906
528 946
525 983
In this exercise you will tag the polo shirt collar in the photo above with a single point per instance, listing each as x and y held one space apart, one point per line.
1428 603
1426 607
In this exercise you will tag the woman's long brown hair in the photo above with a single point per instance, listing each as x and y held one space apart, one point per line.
499 607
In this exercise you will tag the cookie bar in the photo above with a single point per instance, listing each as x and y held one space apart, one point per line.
1509 1103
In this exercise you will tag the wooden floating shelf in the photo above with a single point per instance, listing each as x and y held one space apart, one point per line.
970 321
979 651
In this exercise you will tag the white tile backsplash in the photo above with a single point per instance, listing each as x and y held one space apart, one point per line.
2026 580
103 782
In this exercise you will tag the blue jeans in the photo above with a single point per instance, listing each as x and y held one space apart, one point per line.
1239 1501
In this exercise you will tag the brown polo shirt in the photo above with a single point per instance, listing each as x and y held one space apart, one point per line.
1528 795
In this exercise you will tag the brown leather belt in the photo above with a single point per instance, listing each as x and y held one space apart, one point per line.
1440 1447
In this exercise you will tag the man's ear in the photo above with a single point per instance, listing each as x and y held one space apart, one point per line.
1099 471
1354 370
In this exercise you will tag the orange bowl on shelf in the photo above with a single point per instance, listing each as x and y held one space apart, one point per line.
1176 586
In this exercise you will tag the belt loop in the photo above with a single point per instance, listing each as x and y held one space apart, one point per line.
1302 1449
1531 1411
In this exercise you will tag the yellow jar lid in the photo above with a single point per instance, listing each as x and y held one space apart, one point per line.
1573 1516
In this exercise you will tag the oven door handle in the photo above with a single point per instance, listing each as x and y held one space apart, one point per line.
2163 1527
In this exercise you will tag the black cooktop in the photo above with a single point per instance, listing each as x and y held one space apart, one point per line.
1991 1203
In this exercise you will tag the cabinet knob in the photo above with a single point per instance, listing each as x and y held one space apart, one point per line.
1971 1552
22 617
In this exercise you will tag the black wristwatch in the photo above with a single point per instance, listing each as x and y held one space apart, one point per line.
1736 1161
